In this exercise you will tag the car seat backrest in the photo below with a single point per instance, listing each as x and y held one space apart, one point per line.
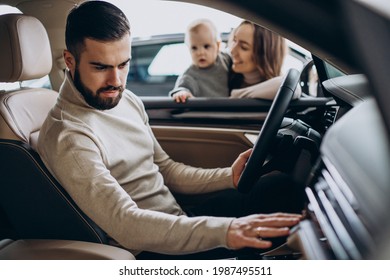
32 201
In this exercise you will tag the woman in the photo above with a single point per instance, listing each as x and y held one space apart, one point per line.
257 56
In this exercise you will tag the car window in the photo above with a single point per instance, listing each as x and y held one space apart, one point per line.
172 59
159 54
156 66
5 9
149 73
43 82
157 62
331 71
36 83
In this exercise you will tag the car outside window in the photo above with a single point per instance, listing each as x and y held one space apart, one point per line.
158 61
331 71
143 80
172 59
159 54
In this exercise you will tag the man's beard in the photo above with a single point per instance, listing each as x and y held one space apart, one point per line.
95 100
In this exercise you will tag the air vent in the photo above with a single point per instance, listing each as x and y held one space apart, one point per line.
330 116
336 211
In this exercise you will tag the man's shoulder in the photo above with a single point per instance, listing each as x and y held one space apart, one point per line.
131 97
133 101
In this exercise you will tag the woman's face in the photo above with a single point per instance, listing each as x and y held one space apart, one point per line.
242 50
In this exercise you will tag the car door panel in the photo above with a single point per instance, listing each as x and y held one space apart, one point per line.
204 147
208 132
225 112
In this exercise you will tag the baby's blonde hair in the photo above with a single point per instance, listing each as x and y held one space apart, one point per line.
194 26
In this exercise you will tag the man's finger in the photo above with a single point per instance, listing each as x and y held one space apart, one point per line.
276 222
265 232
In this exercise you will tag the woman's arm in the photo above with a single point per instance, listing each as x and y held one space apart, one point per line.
264 90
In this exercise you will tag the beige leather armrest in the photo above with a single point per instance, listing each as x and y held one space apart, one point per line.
32 249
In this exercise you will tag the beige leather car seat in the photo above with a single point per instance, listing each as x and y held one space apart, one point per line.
33 205
33 249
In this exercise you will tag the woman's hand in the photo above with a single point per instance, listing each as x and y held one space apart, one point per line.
239 165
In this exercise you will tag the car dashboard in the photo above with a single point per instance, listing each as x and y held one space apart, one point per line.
348 189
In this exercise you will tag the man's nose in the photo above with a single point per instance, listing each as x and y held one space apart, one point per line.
114 77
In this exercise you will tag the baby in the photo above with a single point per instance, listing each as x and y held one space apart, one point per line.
208 74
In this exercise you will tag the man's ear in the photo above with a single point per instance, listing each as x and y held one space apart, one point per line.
70 61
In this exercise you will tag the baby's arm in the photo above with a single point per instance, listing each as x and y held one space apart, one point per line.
186 87
182 96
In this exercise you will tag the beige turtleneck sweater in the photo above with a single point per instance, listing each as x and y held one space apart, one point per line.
114 169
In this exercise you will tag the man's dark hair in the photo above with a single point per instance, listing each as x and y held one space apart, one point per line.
97 20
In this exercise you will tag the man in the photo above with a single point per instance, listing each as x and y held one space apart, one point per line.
98 144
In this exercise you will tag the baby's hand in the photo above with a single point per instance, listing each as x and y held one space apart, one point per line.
181 96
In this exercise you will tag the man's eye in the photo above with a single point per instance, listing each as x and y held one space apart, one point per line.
100 68
123 66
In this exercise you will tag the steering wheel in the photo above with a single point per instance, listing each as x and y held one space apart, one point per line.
251 172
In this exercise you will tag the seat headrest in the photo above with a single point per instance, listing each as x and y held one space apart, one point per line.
25 48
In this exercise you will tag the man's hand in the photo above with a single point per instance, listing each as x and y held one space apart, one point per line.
239 165
182 96
248 231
